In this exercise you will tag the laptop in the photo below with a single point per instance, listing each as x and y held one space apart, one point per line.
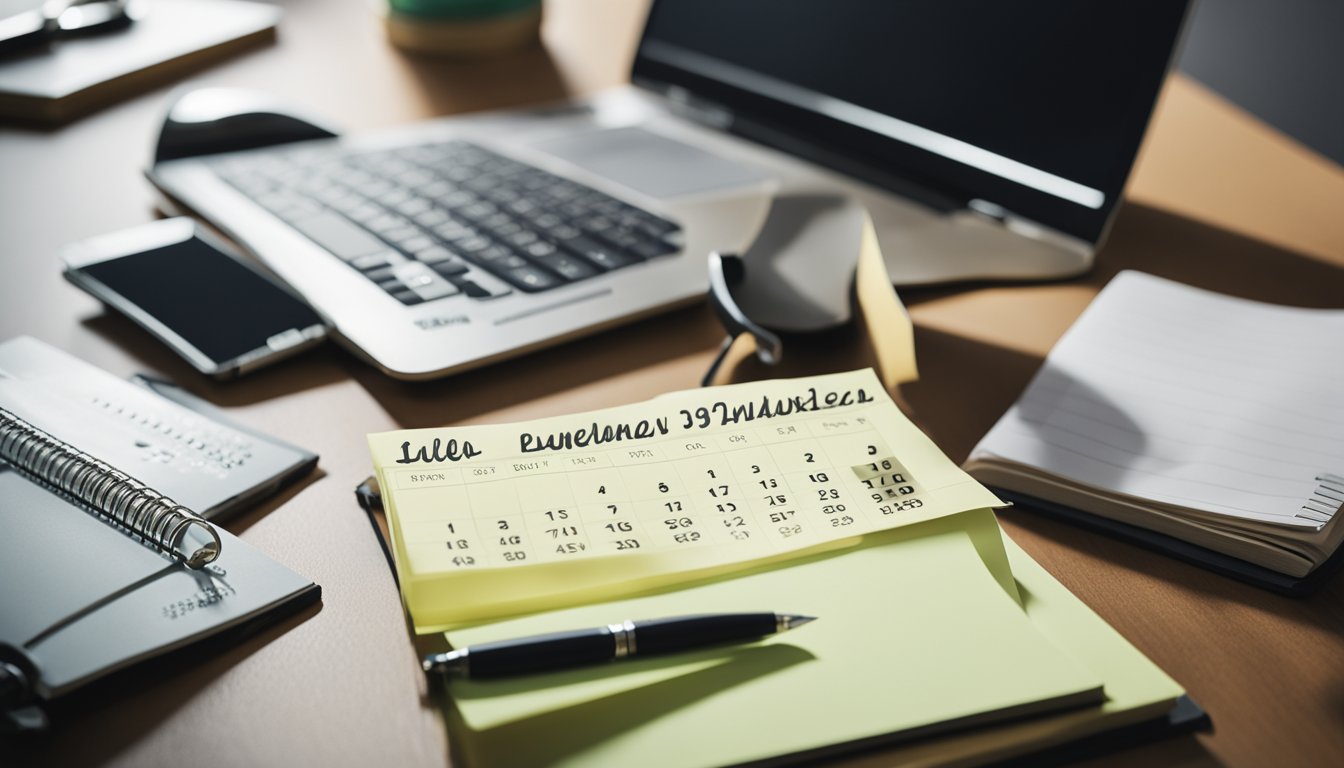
988 140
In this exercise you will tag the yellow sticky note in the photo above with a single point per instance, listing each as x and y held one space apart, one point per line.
501 520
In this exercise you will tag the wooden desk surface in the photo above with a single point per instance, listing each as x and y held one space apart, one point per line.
1218 200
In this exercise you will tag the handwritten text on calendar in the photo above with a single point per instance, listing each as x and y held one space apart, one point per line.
770 475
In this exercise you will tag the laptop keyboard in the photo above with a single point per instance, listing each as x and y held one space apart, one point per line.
431 221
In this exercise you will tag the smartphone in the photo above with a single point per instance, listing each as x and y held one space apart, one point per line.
186 287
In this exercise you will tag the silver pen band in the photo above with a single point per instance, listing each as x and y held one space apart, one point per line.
623 635
456 662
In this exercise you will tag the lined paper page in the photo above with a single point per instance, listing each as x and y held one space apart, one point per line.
1188 397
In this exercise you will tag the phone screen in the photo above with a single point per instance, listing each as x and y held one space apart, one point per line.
218 305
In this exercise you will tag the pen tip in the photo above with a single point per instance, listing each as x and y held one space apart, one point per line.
793 621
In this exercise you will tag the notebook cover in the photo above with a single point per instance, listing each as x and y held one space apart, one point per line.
1185 717
163 436
83 601
1181 549
78 636
302 460
74 76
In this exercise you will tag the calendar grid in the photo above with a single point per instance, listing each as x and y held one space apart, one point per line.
768 489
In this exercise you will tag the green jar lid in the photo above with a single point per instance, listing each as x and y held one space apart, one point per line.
448 10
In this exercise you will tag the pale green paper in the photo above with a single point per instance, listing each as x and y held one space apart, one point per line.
913 632
1136 689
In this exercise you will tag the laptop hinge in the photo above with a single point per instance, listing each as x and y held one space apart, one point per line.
684 104
996 215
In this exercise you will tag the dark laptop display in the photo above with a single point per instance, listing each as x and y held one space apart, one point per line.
1036 107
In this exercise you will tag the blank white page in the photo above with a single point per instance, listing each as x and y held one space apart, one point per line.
1184 396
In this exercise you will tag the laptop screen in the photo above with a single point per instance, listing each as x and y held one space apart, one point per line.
1035 107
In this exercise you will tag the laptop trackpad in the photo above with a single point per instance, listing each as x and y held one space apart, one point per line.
649 163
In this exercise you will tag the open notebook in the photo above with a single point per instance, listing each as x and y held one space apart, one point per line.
1204 418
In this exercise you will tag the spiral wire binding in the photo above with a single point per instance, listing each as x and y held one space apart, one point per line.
112 493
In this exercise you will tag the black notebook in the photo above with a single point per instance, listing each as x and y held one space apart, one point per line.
102 484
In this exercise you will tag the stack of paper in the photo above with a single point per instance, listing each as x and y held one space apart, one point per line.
931 628
917 635
1205 418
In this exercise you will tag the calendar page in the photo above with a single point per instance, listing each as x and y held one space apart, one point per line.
490 521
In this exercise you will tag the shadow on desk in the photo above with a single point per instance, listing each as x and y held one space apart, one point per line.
643 347
310 370
1180 248
102 720
528 76
1196 253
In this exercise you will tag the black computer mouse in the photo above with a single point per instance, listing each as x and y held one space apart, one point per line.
207 121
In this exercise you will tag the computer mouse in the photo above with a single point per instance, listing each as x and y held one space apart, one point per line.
207 121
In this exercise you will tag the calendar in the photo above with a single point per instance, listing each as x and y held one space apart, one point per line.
489 521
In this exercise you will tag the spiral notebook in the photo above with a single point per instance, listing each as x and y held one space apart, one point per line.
103 562
1202 425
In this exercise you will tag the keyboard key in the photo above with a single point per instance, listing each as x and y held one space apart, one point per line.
385 223
496 220
547 220
499 259
413 206
431 218
365 213
407 232
436 190
450 268
596 224
372 261
473 290
492 254
522 206
654 225
564 232
415 178
568 267
375 188
478 211
381 274
393 197
479 285
521 239
506 229
473 244
453 208
531 278
416 243
622 238
435 254
602 255
414 274
650 249
436 289
454 230
539 249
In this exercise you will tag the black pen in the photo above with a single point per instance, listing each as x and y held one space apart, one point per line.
614 642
